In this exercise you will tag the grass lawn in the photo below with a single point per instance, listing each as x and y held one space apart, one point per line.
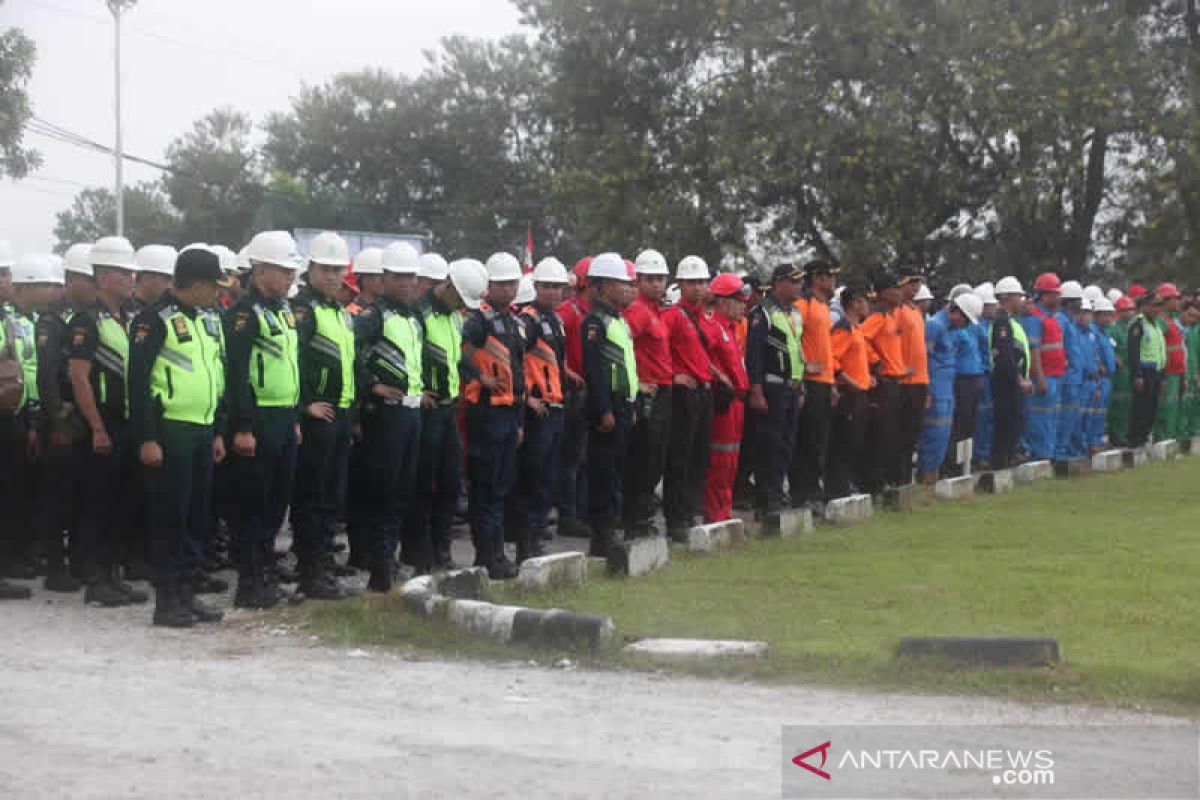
1107 564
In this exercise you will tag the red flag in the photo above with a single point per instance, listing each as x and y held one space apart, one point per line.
528 259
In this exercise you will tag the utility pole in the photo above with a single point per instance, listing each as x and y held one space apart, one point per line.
116 7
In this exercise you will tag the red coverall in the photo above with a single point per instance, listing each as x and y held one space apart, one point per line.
726 354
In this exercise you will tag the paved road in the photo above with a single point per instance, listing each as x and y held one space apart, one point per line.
97 703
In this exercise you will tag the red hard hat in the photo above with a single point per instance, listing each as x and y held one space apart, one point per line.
1137 292
1047 282
581 271
727 285
631 269
1167 290
1124 303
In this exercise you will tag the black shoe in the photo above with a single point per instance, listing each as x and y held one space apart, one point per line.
273 594
20 569
601 544
321 586
381 575
199 609
135 596
502 570
101 592
138 570
208 584
169 612
678 535
574 529
60 580
10 592
343 571
249 592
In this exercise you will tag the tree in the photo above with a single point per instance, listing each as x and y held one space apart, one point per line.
214 179
17 55
149 217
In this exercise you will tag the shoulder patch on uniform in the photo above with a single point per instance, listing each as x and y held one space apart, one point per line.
143 330
77 336
300 312
367 311
240 320
181 328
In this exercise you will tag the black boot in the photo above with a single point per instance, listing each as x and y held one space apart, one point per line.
59 579
602 543
249 593
10 591
101 592
273 594
318 583
169 612
135 596
381 573
209 584
201 611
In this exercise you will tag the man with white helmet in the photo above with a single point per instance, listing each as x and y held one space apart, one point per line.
388 340
970 377
368 277
691 413
327 392
923 299
7 261
610 369
1078 376
21 469
1103 315
433 270
982 434
1009 364
546 376
155 266
106 456
262 366
439 472
1090 391
942 345
494 366
650 437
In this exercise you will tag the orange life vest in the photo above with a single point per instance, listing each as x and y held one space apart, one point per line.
494 359
543 378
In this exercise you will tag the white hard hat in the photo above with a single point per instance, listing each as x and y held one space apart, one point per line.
960 288
550 270
1085 304
985 284
610 266
156 258
273 247
369 261
7 259
113 251
987 293
673 294
195 246
401 258
1093 293
651 262
1009 285
433 267
503 267
1114 295
969 303
329 249
243 260
470 279
77 259
525 292
1103 304
692 268
228 258
36 268
922 294
1071 290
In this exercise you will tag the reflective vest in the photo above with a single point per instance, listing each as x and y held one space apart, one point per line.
495 359
17 332
786 359
398 354
334 341
441 351
1054 354
188 376
1019 336
1176 349
543 378
112 354
274 359
619 355
1154 347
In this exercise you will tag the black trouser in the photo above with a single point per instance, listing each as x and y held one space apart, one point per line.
439 476
492 434
812 443
648 443
538 464
605 464
572 484
261 486
106 510
356 502
391 450
884 434
58 507
178 494
968 389
17 495
743 488
912 419
687 461
1008 409
1144 409
320 485
776 432
133 537
844 468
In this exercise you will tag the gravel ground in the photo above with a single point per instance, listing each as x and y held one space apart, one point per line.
97 703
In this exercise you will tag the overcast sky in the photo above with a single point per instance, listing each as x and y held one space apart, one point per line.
182 58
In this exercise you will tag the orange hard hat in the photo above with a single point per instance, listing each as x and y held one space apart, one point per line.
1137 291
1124 303
581 271
1047 282
728 285
1167 290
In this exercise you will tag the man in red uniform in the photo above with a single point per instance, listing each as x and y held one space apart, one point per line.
812 429
572 503
729 307
652 429
691 402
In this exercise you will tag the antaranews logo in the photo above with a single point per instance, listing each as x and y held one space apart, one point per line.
819 771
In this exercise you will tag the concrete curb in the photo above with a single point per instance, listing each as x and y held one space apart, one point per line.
1164 450
556 571
697 648
1108 461
993 651
901 498
786 524
849 510
1133 458
1001 481
1033 471
716 536
637 557
955 488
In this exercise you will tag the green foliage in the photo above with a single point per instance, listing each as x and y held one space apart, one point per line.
148 217
17 55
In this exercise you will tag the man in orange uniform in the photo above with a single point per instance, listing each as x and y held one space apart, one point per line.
916 371
881 330
728 295
851 365
812 429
